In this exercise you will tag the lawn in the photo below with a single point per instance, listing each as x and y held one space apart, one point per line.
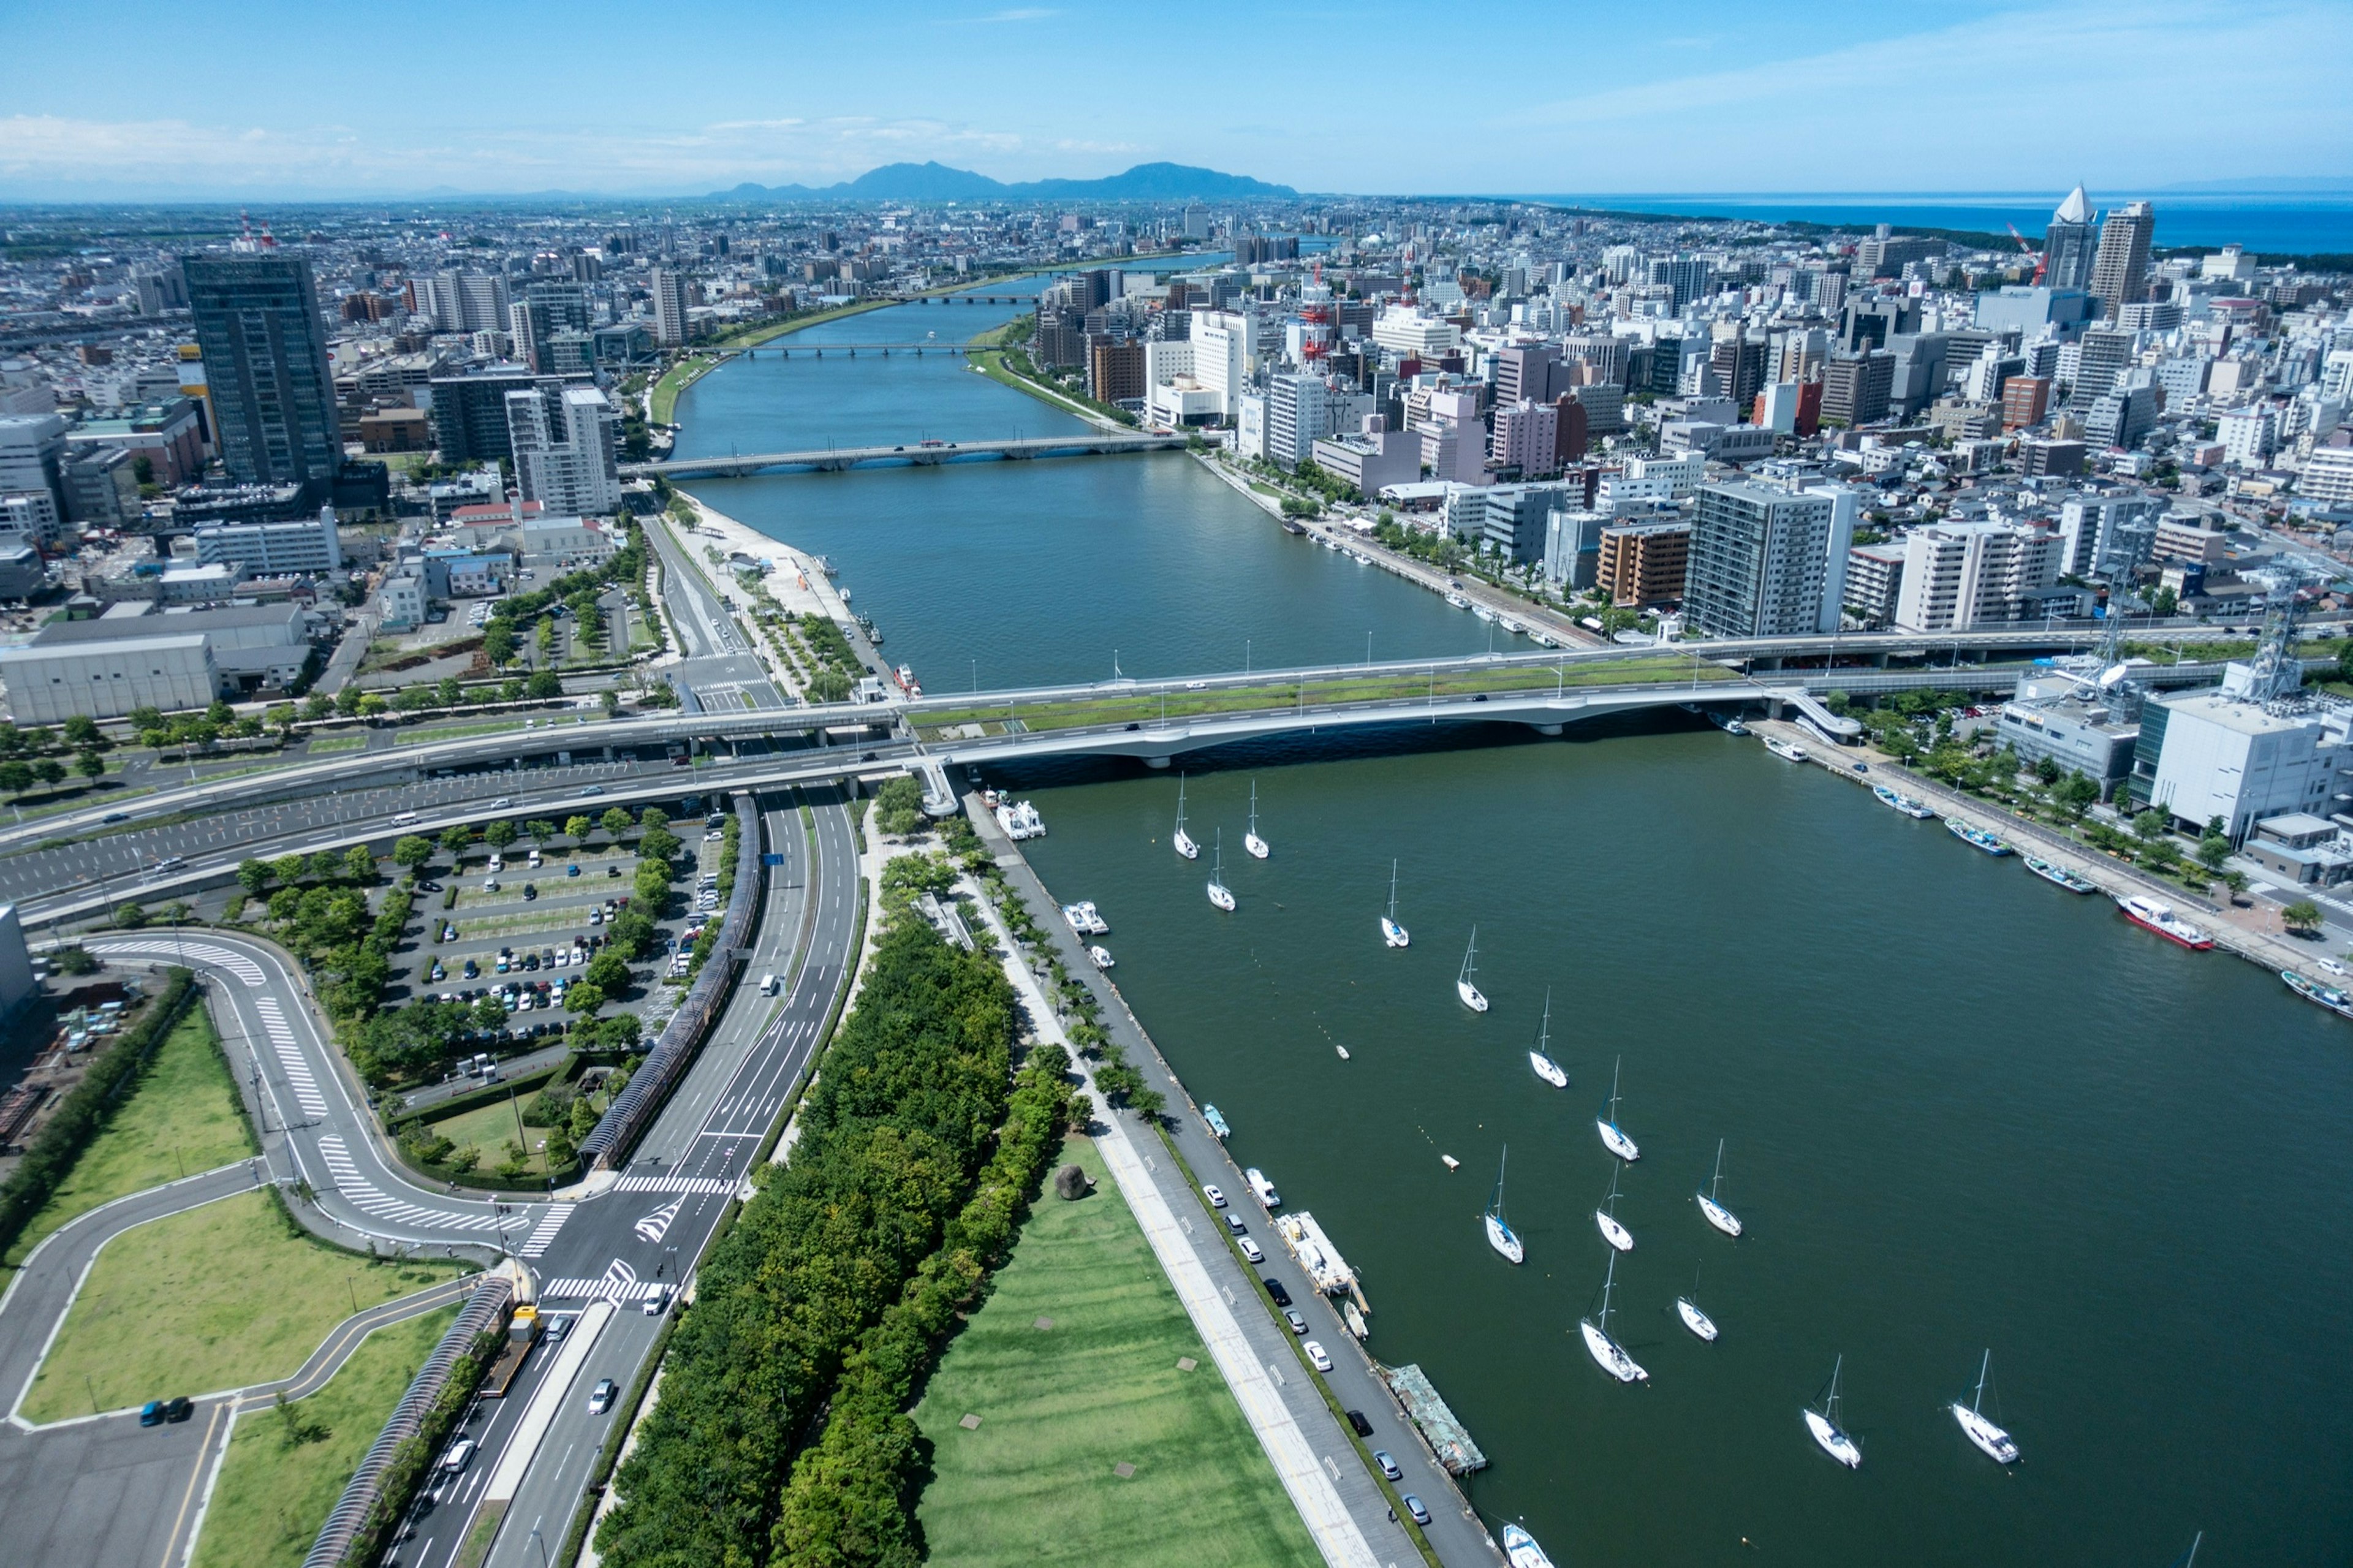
271 1496
183 1119
328 745
491 1128
220 1296
1034 1485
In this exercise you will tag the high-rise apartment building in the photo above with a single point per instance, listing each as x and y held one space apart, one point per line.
1959 576
1295 417
2025 399
265 353
670 292
1224 343
1768 560
1855 387
2101 355
2120 270
562 439
2069 242
1644 562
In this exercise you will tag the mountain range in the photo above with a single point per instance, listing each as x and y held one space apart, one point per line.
938 183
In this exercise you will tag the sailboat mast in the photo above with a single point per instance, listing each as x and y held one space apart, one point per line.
1978 1402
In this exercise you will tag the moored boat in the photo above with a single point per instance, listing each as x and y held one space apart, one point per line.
1898 800
2313 991
1607 1354
1521 1550
1613 1137
2058 876
1500 1235
1823 1424
1977 837
1101 957
1991 1441
1392 933
1473 998
1723 1218
1784 750
2156 915
1546 1068
1215 1121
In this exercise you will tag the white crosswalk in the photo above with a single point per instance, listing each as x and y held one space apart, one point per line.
677 1184
289 1057
204 952
376 1204
656 1226
620 1283
550 1222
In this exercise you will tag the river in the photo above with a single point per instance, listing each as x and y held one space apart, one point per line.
1962 1109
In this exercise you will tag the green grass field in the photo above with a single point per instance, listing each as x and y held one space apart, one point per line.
491 1128
183 1119
1034 1486
328 745
220 1296
272 1495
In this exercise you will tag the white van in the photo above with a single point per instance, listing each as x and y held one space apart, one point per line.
406 819
769 985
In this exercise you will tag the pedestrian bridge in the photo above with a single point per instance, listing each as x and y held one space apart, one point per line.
829 459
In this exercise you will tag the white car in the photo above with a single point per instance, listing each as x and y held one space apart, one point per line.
2330 964
1216 1199
1316 1356
460 1455
1251 1250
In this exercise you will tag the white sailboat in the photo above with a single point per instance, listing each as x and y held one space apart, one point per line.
1697 1322
1499 1235
1723 1218
1184 840
1251 840
1991 1441
1823 1424
1613 1137
1220 894
1462 986
1546 1068
1607 1354
1606 1217
1392 933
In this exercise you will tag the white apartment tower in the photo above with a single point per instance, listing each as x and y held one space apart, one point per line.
1961 576
563 446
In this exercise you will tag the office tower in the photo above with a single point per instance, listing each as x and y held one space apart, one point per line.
265 351
1767 561
2120 270
563 440
1688 277
2068 244
670 308
469 413
1224 343
2025 399
1855 387
2102 354
1738 360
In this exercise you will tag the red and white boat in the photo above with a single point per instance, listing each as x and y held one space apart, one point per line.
905 676
2151 914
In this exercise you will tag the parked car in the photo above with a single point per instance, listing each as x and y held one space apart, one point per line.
1216 1199
1413 1506
1251 1250
1359 1424
1275 1288
1234 1223
1298 1324
1388 1465
1316 1356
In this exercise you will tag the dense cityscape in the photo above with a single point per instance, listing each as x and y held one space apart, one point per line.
634 779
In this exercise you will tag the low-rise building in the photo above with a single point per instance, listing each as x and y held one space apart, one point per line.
2213 754
2301 849
2071 721
1372 460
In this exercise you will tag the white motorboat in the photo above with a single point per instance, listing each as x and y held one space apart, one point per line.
1521 1550
1723 1218
1784 750
1102 957
1546 1068
1251 840
1499 1235
2151 914
1607 1354
1220 894
1823 1424
1184 840
1085 919
1606 1217
1991 1441
1613 1137
1471 995
1392 933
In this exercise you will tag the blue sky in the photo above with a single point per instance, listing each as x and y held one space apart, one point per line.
248 98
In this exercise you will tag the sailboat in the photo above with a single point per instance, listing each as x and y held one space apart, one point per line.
1695 1320
1607 1354
1606 1217
1184 840
1613 1137
1251 840
1723 1218
1546 1068
1220 894
1462 986
1992 1440
1392 933
1499 1235
1823 1424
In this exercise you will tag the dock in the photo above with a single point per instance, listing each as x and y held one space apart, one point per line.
1316 1255
1438 1428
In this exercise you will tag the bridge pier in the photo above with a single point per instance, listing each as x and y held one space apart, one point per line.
1156 761
1548 729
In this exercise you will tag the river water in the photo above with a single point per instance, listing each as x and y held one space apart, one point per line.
1961 1108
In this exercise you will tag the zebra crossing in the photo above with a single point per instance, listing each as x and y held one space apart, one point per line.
376 1204
678 1183
550 1222
290 1059
619 1282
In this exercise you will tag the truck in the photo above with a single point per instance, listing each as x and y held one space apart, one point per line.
522 1332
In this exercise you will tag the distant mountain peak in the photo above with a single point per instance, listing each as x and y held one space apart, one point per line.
936 182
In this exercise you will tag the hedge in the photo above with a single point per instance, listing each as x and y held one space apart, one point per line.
83 1113
895 1133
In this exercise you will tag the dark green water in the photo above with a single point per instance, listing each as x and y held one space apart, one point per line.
1962 1109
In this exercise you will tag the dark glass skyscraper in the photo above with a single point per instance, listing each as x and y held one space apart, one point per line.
265 351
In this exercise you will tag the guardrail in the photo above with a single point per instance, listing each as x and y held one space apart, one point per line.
349 1536
634 1108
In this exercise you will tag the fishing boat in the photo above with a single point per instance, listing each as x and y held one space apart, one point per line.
1546 1068
2053 872
1505 622
2152 914
1458 601
1823 1424
1251 840
1521 1550
1726 723
1785 750
1392 933
1216 1123
1607 1354
1697 1322
1991 1441
1462 986
1613 1137
1101 956
1482 612
1723 1218
1895 800
1501 1236
905 676
1606 1217
1184 840
1220 894
1977 837
1540 640
2313 991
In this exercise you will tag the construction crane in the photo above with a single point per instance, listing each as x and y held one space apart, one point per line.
2041 260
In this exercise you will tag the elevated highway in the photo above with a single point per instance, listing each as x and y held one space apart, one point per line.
832 459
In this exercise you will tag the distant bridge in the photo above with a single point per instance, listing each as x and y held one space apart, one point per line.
785 348
920 453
